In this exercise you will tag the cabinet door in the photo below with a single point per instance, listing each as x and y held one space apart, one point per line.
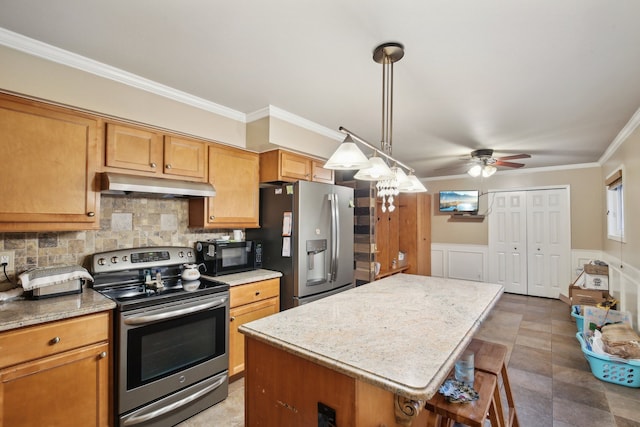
185 158
234 174
133 148
387 237
294 166
415 231
48 170
238 317
320 174
70 388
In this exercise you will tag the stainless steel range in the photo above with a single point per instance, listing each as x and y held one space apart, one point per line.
170 336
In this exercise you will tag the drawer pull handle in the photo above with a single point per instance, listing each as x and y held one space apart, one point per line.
55 340
103 355
257 293
153 165
232 319
91 214
168 166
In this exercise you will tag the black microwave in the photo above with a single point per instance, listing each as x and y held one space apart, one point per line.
224 257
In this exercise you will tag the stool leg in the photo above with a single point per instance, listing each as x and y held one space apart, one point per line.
497 401
494 416
513 416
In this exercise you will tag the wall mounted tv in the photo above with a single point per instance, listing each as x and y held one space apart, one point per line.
459 201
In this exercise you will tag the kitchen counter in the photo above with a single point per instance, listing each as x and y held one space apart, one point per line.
21 312
401 334
245 277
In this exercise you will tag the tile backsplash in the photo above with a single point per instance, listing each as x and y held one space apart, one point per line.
125 222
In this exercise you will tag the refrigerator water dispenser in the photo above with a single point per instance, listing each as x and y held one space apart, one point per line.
316 265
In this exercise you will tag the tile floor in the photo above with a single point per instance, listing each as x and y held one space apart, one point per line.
552 383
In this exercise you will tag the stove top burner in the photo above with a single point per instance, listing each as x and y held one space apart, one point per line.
139 295
123 275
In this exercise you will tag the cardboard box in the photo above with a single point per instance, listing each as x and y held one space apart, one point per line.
592 281
581 296
602 270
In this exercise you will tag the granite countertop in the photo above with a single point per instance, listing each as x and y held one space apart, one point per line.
402 333
21 312
245 277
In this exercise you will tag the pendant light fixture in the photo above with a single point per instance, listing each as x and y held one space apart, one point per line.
390 181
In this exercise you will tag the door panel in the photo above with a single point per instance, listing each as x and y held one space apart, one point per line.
508 241
549 218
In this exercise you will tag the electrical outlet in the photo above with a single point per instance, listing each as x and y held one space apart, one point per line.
8 257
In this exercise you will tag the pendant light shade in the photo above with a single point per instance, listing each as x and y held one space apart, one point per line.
347 157
412 185
376 171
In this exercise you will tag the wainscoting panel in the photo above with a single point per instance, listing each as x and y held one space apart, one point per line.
466 262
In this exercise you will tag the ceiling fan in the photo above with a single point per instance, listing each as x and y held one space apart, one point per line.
484 163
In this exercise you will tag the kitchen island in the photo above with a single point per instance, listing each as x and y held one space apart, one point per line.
369 356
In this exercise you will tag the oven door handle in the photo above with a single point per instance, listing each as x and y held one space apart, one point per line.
137 419
141 320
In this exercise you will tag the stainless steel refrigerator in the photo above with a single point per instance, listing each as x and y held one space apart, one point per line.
306 229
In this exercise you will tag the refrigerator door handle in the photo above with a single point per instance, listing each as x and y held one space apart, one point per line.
335 236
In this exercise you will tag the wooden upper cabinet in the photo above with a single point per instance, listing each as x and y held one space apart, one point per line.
235 175
144 150
48 170
133 148
320 174
280 165
185 158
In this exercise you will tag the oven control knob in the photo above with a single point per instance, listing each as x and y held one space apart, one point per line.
114 260
189 254
181 254
102 261
125 258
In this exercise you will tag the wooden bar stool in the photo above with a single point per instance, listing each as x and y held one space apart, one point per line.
491 358
473 414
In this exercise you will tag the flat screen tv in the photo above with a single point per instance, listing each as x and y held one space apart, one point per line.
465 201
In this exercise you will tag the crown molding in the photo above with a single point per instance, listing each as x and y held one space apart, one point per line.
51 53
622 136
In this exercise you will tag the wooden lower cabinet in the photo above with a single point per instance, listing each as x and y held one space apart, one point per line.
283 390
249 302
49 387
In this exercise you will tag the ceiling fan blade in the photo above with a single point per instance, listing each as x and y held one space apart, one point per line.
508 164
514 157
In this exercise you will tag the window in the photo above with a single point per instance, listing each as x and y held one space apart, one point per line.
615 206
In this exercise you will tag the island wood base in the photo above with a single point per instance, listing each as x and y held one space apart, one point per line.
282 390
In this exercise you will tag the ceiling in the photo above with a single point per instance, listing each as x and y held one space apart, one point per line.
555 79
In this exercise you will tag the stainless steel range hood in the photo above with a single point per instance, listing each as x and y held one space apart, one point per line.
122 184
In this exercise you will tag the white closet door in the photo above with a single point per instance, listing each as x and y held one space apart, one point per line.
549 242
508 241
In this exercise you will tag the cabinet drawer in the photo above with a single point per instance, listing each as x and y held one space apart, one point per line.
252 292
33 342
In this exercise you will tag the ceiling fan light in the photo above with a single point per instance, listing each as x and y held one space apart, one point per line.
475 171
488 170
347 157
376 170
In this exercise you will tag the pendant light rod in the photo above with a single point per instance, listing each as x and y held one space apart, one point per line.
368 145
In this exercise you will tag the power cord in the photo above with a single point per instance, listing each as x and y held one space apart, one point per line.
4 269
